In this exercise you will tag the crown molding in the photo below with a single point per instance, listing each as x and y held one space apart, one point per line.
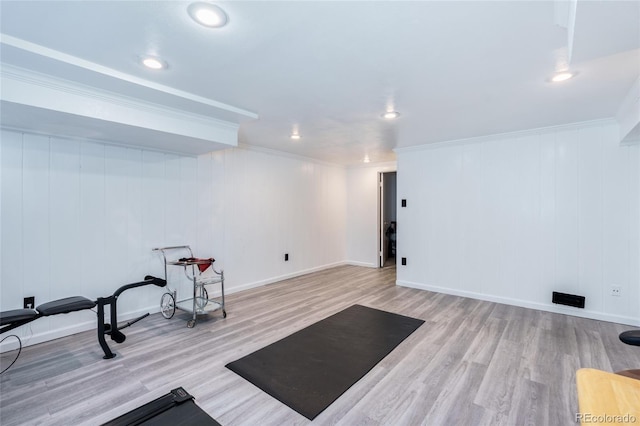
57 102
507 135
57 56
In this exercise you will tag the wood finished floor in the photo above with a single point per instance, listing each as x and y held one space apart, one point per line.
471 363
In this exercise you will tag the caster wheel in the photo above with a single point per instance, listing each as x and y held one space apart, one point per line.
224 313
167 305
191 323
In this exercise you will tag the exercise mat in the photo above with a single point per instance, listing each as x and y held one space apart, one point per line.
311 368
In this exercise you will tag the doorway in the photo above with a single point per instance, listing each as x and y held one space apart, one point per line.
387 218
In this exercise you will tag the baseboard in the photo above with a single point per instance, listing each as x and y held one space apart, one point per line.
566 310
248 286
365 264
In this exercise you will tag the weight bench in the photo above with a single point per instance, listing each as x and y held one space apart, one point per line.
18 317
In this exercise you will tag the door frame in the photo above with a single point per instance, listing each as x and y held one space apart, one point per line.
382 226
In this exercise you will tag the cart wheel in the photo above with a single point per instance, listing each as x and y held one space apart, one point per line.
167 305
202 299
224 313
191 323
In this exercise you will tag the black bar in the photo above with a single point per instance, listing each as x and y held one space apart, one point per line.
101 326
149 279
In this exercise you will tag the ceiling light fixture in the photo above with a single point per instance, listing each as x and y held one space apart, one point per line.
562 76
207 14
366 159
153 63
295 136
390 115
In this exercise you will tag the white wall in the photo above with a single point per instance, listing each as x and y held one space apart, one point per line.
80 218
512 218
362 213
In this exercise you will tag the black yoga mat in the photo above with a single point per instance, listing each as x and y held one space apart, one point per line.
311 368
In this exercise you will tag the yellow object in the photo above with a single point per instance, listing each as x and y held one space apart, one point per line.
607 399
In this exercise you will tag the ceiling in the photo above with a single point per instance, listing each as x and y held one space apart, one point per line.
452 69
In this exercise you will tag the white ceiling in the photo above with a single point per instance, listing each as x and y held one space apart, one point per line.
452 69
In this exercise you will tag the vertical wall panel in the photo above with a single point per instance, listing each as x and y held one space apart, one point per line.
525 229
65 242
590 217
188 213
12 276
174 194
547 224
140 259
220 197
470 224
616 237
154 201
567 211
36 255
202 201
92 223
116 220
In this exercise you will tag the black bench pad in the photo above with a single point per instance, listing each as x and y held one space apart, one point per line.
17 315
631 337
64 306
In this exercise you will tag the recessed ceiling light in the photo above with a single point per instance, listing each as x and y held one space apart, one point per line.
207 14
153 63
366 159
390 115
295 136
562 76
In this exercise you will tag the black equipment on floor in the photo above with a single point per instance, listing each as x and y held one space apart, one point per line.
176 408
631 337
312 367
18 317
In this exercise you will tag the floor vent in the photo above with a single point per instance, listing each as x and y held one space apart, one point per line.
568 299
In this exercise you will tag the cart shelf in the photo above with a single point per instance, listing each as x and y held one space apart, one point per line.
198 302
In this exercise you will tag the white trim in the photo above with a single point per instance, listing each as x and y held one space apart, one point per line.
102 142
566 310
365 264
248 286
507 135
382 166
100 69
278 153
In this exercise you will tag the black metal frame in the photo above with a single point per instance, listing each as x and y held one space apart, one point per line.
112 329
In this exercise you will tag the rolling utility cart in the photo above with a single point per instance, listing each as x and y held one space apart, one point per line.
202 274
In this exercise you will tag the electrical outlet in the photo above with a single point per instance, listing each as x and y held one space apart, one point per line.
404 261
286 257
616 290
29 302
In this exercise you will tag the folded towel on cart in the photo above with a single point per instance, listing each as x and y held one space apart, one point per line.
203 263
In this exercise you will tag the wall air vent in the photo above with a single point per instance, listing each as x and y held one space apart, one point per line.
568 299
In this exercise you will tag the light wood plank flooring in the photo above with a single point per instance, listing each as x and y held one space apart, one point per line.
471 363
